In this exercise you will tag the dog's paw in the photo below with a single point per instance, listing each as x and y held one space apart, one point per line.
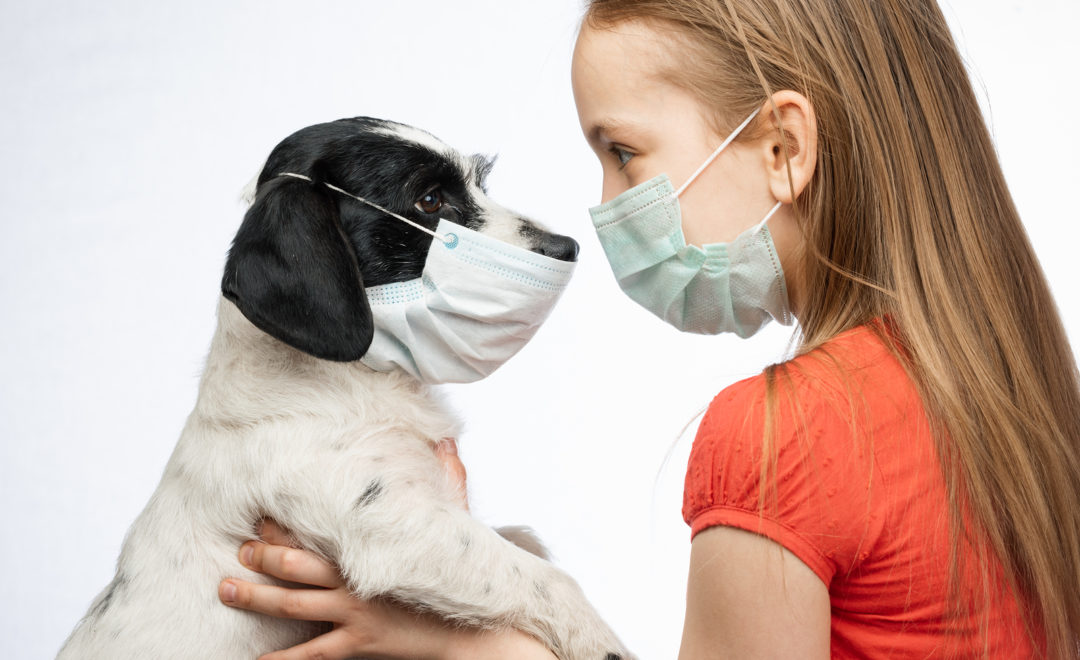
573 629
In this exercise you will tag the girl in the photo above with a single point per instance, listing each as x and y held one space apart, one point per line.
908 486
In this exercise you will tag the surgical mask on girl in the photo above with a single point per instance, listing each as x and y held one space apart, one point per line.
720 287
477 302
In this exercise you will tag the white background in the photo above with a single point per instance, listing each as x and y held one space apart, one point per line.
127 129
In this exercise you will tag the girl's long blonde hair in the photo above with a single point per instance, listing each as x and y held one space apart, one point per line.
909 218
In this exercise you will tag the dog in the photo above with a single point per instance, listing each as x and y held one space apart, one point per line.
289 424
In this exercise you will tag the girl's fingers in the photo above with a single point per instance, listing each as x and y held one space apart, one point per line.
283 602
447 452
290 564
274 534
334 645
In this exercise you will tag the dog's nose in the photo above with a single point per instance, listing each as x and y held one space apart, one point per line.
558 247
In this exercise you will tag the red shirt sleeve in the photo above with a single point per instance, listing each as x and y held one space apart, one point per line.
816 499
853 488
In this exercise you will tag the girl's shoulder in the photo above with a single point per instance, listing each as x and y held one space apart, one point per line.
831 456
791 453
856 373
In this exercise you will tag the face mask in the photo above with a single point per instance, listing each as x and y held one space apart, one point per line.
721 287
477 302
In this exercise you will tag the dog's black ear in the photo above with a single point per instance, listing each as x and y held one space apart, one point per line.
292 272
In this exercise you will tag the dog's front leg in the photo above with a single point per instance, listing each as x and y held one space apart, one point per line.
405 541
442 560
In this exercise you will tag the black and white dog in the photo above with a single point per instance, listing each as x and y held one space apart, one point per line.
289 425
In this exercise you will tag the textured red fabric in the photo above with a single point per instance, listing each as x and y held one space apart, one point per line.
858 497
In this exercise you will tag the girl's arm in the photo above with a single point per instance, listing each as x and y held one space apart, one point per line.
748 597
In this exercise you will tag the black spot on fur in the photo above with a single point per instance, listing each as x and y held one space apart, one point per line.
612 656
540 590
373 491
117 585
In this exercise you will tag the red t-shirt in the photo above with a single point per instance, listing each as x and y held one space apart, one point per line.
859 498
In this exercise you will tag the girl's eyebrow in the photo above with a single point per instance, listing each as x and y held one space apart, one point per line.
601 131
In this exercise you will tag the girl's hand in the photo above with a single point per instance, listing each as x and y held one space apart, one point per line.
360 627
375 628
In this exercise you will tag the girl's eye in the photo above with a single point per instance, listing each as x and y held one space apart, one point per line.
431 202
622 155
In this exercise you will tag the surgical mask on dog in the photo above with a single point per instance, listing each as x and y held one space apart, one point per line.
721 287
477 302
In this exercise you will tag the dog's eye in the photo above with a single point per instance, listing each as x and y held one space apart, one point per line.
431 202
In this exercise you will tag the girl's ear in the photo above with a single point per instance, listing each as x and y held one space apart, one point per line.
293 273
799 139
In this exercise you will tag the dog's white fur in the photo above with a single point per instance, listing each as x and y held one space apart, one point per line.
341 456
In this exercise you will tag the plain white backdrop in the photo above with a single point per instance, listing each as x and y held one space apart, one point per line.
127 130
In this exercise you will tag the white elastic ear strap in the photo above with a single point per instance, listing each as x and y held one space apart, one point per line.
371 204
768 215
730 138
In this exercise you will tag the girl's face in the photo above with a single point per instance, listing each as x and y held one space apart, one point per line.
641 125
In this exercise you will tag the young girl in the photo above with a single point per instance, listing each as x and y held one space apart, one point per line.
909 485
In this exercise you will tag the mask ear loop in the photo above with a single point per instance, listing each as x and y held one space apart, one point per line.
730 138
734 134
768 215
451 240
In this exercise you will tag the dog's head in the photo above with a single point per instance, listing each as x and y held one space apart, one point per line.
304 253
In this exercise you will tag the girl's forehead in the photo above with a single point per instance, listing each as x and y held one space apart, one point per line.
622 83
620 67
626 49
